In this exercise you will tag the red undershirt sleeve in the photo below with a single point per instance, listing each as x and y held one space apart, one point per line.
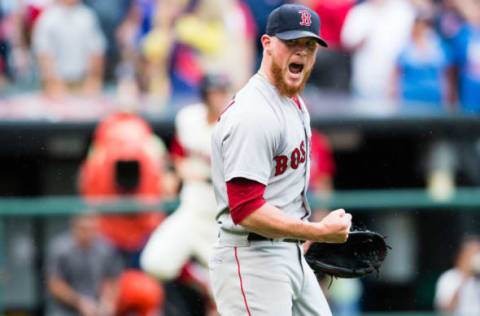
244 197
176 148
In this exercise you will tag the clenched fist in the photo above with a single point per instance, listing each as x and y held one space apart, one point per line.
334 227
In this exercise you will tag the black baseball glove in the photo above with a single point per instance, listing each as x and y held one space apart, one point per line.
362 254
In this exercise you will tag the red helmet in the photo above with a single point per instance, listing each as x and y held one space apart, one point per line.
139 294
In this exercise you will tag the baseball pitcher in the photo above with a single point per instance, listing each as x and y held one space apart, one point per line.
260 172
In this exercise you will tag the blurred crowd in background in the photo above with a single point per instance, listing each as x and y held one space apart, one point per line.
423 52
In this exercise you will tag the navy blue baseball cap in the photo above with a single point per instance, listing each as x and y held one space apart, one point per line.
292 21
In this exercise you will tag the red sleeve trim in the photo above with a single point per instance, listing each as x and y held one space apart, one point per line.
245 196
176 148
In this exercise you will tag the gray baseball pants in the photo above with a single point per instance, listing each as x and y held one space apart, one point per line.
263 278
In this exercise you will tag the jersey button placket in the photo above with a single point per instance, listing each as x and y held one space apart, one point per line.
302 116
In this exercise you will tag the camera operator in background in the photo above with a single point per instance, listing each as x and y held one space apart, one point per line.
458 289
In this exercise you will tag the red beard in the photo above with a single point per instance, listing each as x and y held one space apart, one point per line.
283 88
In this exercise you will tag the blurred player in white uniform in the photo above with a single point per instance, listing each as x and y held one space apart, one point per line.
191 230
260 170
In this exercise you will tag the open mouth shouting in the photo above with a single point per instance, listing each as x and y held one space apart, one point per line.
295 70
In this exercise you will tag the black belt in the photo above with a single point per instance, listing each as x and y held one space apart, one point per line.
257 237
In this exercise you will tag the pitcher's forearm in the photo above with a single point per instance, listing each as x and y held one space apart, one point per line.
271 222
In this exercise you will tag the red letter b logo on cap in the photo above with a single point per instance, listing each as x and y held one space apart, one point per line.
306 18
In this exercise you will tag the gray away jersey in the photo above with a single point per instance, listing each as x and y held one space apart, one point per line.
265 137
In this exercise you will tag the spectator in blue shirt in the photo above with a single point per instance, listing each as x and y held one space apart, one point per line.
424 66
467 54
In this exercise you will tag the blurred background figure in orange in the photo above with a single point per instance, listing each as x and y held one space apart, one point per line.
458 289
139 295
81 271
71 58
126 159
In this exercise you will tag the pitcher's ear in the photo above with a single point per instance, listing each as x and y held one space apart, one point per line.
267 43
